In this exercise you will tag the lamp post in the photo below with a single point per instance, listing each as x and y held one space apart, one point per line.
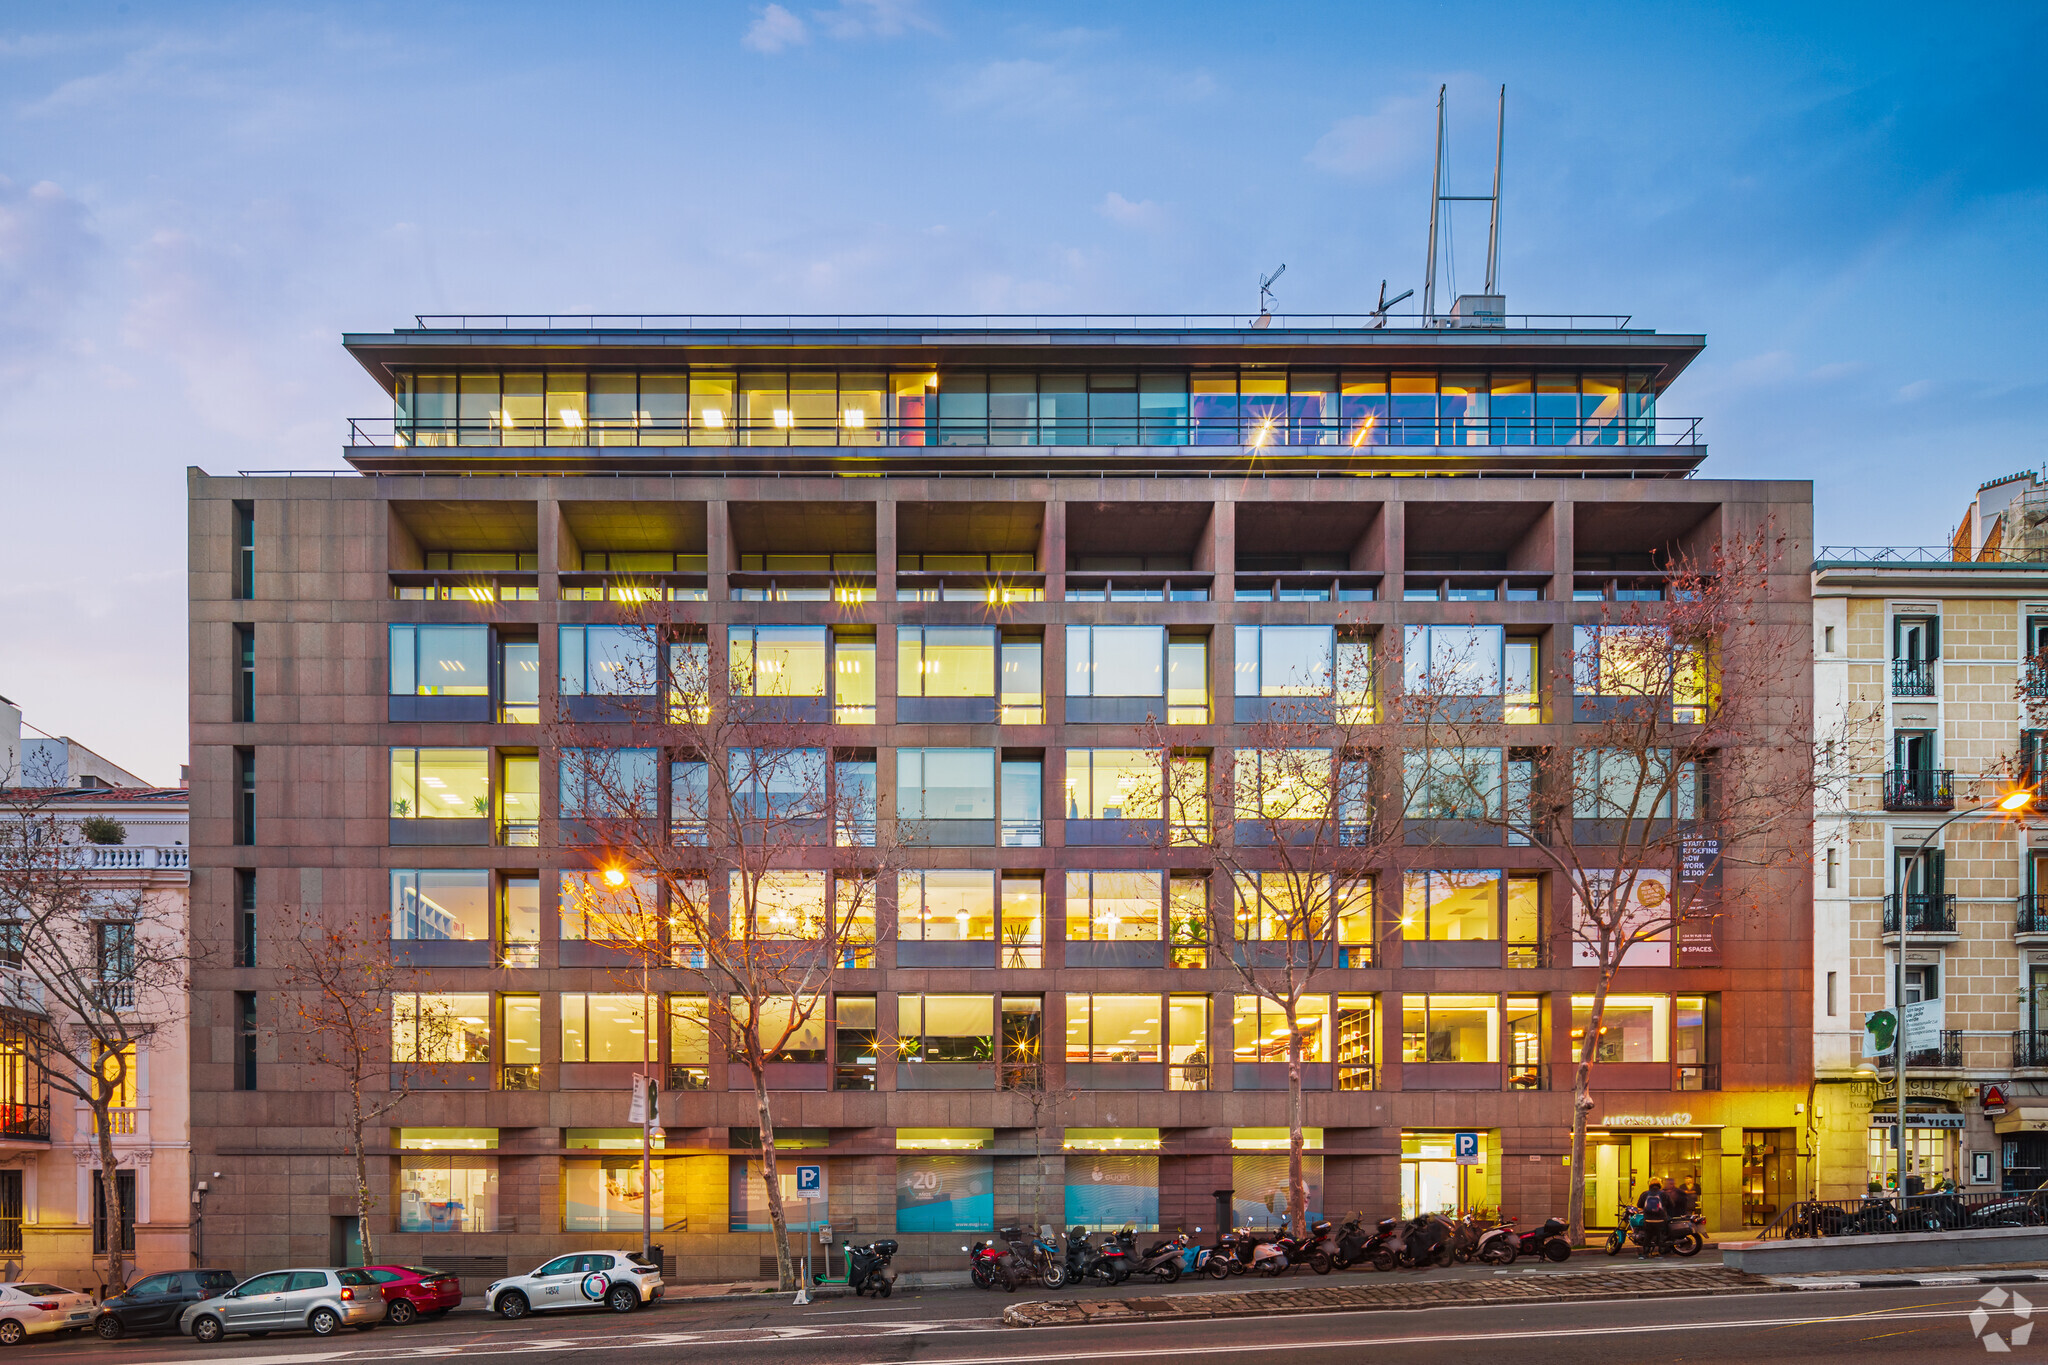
2014 804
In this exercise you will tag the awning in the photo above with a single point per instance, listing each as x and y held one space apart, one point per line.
2021 1121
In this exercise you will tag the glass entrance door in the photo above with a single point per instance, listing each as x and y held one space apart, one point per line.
1610 1178
1429 1174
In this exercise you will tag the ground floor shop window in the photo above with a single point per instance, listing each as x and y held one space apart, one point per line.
1432 1181
1258 1175
447 1180
1767 1159
607 1194
1113 1177
945 1190
749 1197
1930 1155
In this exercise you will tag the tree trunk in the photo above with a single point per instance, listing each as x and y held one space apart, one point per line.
785 1269
362 1165
1582 1105
110 1198
1297 1187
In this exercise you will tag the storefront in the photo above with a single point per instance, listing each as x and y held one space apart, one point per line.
1628 1151
1933 1134
1432 1178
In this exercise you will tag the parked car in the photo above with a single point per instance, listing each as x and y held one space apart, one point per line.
410 1291
616 1279
316 1301
30 1308
153 1303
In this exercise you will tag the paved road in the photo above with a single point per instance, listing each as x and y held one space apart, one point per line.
1888 1327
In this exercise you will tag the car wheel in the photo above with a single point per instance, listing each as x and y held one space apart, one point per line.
324 1322
400 1312
622 1298
109 1327
512 1306
206 1330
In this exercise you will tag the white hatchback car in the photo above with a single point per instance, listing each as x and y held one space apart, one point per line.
31 1308
584 1279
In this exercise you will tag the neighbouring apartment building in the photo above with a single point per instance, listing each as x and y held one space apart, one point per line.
1928 664
53 1221
986 554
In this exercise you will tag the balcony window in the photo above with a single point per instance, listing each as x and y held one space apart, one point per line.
1450 1028
433 904
1023 694
1284 661
1357 1052
949 906
1023 928
605 661
440 661
432 1029
519 1018
519 672
1113 784
1259 1029
1187 680
1116 661
1695 1042
778 661
1526 947
1114 907
1023 803
1114 1028
1023 1042
689 1042
853 802
689 802
447 1180
440 784
1633 1028
957 1029
604 1028
608 784
854 902
1187 921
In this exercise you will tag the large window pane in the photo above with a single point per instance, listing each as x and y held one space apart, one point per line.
441 784
1633 1028
608 783
438 904
1116 661
1112 784
1114 1028
1259 1029
604 1028
1450 1028
946 784
1285 661
950 906
1114 907
592 907
946 661
778 661
605 661
440 1028
1453 661
1452 784
440 661
1454 907
605 1194
945 1028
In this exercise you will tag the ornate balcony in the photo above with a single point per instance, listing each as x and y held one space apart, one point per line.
1934 914
1920 789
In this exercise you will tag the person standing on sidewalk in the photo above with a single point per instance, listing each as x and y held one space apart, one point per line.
1656 1221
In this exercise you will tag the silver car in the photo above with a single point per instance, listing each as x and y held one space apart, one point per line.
316 1301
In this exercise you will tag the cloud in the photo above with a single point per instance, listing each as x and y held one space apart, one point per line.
1379 143
774 30
1142 213
873 18
46 247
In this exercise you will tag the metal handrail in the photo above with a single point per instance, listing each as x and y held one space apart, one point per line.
1375 434
1938 556
1919 789
1926 912
750 322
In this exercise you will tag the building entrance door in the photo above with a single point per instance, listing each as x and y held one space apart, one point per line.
1766 1174
1610 1177
1429 1173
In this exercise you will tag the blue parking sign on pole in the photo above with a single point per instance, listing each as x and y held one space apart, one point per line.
1466 1145
810 1180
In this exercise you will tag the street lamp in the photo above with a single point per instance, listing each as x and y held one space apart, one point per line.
2014 804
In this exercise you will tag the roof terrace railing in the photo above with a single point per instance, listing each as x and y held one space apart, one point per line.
1018 322
1932 556
1376 436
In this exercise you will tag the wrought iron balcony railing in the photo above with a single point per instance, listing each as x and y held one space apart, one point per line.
1912 677
2033 915
1920 789
1925 914
1946 1052
2030 1047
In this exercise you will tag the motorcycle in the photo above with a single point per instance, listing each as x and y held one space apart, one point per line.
1319 1248
1373 1249
868 1268
1465 1230
1686 1236
1196 1259
1033 1258
1548 1241
1267 1254
1107 1262
1423 1241
1232 1252
1161 1260
1499 1244
986 1267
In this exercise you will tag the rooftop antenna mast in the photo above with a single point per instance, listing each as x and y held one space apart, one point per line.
1265 317
1437 197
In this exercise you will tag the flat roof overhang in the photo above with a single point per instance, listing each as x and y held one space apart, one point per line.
1626 462
385 354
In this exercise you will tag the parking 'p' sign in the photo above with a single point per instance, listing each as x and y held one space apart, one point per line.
810 1181
1466 1145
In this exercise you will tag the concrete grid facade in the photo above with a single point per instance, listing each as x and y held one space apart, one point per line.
317 569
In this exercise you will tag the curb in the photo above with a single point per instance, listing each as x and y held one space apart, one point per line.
1803 1283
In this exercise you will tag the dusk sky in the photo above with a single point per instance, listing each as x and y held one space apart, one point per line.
196 201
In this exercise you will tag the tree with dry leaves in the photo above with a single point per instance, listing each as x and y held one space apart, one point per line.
730 842
359 1014
92 970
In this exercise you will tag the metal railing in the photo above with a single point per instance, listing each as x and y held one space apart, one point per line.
1947 1053
2030 1047
1696 1076
1919 789
1367 433
1877 1215
1912 677
2033 915
1941 556
1925 914
1009 322
25 1121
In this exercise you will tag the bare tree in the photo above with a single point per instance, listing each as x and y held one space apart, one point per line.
359 1015
96 971
742 848
1288 821
1691 750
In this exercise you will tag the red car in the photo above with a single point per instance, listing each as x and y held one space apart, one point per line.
410 1292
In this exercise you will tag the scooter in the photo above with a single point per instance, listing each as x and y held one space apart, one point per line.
1161 1260
868 1268
1232 1252
1376 1249
1196 1259
1499 1244
1269 1258
1319 1249
1107 1262
1548 1241
1424 1241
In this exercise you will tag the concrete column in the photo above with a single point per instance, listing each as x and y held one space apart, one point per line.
717 549
885 550
1219 549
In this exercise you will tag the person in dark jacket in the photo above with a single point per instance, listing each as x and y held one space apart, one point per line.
1656 1221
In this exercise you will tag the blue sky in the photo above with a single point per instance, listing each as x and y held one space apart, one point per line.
197 200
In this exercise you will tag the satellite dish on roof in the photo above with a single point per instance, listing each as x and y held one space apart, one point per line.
1265 317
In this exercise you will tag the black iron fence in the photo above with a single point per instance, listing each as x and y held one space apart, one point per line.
1920 789
2033 915
1946 1051
1925 914
1912 677
1887 1214
2030 1047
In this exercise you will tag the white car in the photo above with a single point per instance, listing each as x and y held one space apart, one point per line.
31 1308
617 1280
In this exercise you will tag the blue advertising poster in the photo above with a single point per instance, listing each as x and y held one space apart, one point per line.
945 1192
1110 1189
